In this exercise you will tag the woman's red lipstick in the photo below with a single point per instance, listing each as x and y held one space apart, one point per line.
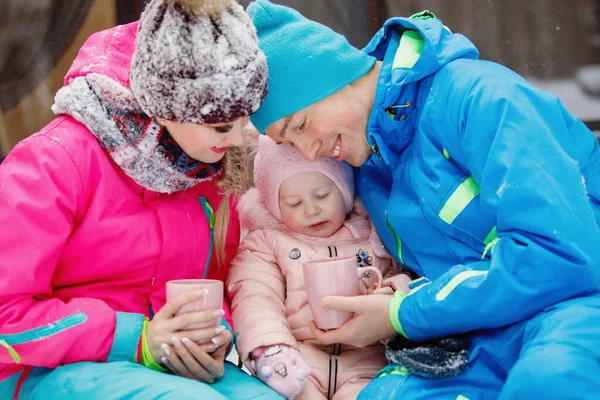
219 150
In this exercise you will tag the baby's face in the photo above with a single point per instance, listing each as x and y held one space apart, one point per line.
311 204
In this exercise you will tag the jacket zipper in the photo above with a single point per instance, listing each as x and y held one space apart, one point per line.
332 251
375 149
333 368
337 349
210 217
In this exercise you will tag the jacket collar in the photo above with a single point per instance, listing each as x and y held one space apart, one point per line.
411 51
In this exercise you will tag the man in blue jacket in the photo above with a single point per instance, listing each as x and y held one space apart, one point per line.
478 182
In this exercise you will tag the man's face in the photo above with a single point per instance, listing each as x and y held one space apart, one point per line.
333 127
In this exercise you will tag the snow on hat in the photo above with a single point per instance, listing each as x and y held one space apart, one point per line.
275 163
307 61
197 61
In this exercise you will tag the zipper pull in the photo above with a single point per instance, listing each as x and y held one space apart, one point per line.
208 210
375 149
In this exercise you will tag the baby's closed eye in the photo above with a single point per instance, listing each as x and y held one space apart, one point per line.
294 204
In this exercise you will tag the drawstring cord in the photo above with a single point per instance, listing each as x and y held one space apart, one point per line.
15 356
489 247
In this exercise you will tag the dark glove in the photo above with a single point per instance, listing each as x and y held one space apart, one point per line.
435 359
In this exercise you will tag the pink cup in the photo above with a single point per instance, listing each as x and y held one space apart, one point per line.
212 300
333 276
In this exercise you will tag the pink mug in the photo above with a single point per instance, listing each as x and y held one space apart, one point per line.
333 276
213 299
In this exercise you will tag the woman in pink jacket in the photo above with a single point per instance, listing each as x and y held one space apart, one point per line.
115 197
300 211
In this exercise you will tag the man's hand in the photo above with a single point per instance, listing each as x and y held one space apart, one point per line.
369 325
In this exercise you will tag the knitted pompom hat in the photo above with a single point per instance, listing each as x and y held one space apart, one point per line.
275 163
197 61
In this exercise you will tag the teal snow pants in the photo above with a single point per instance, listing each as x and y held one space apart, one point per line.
128 381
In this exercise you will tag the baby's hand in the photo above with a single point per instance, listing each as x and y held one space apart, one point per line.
282 368
390 285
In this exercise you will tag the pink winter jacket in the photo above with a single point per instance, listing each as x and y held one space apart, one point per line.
268 298
85 252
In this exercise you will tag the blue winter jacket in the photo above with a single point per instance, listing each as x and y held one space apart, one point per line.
478 182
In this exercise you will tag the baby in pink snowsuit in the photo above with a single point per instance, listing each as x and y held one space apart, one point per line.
301 211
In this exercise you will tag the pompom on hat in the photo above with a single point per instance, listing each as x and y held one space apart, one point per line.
275 163
197 61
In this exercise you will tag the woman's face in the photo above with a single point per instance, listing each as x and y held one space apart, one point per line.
206 142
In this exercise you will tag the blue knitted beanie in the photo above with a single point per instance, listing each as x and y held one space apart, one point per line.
307 61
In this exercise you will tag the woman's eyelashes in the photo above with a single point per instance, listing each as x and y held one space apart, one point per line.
224 128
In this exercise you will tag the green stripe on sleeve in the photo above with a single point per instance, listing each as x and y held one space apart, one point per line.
455 281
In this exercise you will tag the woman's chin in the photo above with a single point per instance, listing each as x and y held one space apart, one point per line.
208 158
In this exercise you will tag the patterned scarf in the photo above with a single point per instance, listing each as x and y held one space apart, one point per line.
138 144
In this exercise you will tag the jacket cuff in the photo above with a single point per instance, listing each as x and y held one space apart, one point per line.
394 312
128 329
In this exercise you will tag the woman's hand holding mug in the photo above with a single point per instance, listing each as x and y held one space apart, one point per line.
186 334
